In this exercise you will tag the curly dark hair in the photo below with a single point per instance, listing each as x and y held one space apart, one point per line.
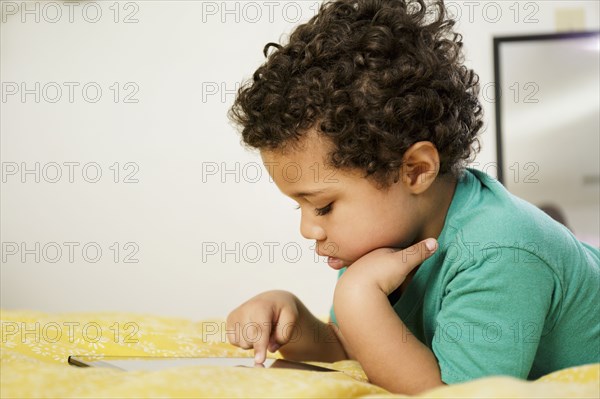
373 76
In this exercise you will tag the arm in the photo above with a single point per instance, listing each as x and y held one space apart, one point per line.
491 300
389 354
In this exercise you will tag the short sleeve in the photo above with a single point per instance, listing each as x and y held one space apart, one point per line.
492 316
332 318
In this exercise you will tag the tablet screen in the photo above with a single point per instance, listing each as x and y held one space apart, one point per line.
153 363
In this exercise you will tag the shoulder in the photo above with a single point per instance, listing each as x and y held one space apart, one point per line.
493 225
496 242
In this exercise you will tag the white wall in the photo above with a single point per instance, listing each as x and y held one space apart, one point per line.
180 62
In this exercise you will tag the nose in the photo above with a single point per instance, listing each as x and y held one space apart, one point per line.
310 229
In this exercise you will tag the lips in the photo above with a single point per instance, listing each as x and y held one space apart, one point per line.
335 263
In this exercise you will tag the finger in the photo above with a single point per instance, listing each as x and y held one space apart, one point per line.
393 274
414 255
286 328
263 333
232 329
273 345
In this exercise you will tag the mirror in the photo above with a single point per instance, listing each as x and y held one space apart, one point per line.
547 97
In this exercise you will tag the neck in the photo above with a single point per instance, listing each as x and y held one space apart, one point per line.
439 199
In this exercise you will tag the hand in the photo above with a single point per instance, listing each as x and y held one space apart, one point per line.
266 321
386 268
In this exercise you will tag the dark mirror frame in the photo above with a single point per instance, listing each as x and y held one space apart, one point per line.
498 41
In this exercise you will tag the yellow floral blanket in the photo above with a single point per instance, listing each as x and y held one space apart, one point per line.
35 347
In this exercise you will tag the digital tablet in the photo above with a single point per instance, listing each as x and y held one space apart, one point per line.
154 363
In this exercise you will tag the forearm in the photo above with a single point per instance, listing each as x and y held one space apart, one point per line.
390 355
313 340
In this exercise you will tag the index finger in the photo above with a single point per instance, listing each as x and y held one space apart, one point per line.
262 342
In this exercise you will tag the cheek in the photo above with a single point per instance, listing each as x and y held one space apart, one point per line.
358 237
351 240
381 228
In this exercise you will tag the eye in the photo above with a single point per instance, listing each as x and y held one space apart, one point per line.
324 210
320 211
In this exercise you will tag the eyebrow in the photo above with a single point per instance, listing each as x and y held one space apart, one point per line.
308 193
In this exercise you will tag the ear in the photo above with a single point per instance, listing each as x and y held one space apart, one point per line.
420 166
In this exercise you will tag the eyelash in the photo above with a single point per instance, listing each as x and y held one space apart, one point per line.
321 211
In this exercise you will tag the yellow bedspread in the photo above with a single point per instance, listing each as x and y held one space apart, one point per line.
35 347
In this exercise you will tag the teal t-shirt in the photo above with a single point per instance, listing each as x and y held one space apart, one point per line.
509 292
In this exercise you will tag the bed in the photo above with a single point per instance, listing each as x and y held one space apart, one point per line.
35 347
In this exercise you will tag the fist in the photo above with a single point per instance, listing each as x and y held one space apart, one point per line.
264 322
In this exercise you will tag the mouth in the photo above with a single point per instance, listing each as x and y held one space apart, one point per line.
335 263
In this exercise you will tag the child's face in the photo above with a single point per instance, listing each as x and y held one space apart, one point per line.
350 216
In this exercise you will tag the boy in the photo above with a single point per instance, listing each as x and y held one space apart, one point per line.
444 275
